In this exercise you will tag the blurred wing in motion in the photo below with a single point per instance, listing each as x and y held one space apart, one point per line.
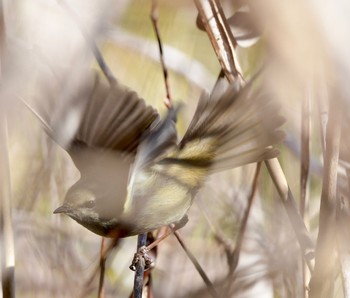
98 116
114 118
234 128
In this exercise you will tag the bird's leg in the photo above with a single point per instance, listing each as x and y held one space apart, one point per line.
143 251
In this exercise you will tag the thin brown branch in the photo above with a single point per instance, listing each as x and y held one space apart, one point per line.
102 268
87 289
291 208
196 264
233 255
241 232
322 281
154 17
90 41
140 268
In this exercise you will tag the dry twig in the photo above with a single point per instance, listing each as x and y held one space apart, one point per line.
242 229
140 268
90 41
154 17
199 268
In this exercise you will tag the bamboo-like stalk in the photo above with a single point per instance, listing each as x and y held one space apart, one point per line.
6 228
208 11
322 280
344 259
343 221
220 36
7 246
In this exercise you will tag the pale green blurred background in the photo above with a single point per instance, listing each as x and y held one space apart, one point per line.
55 257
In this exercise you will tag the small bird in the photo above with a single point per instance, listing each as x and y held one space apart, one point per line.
135 174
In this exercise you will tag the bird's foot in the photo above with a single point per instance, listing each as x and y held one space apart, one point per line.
143 253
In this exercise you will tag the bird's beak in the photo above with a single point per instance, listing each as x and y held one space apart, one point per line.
62 209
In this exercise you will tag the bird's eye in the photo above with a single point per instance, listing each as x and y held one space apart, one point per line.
89 204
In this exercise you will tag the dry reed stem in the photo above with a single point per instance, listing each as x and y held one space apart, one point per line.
304 173
322 280
7 246
344 259
6 228
343 220
215 24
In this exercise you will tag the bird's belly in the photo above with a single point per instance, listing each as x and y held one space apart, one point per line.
166 206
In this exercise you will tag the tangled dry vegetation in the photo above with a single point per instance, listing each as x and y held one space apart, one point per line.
274 229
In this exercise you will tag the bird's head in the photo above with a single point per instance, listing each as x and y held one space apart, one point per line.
84 206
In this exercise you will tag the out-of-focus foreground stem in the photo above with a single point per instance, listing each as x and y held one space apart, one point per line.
6 230
322 281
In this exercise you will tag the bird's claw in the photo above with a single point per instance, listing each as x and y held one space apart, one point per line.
142 253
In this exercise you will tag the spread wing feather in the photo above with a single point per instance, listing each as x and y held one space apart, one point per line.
243 124
115 118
